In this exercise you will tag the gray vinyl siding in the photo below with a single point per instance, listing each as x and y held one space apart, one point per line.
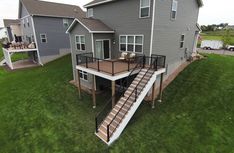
110 37
23 11
167 32
55 32
80 30
123 17
27 30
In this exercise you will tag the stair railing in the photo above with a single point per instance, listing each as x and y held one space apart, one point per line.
107 108
134 91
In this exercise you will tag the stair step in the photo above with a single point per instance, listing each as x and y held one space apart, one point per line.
101 135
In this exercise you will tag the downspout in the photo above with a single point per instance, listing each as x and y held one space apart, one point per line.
35 38
152 29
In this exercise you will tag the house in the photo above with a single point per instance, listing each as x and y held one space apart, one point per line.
13 29
231 27
3 33
45 23
132 46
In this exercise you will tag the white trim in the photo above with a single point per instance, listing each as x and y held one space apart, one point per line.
25 17
80 43
143 8
43 38
102 40
90 31
98 3
134 43
102 31
152 29
35 37
105 75
92 44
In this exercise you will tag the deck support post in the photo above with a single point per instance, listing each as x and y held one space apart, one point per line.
78 84
93 91
160 88
113 93
153 94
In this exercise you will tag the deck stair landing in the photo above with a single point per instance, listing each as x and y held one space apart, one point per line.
118 118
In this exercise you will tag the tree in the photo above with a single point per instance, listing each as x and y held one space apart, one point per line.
226 38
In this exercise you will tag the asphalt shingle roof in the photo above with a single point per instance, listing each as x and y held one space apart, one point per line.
36 7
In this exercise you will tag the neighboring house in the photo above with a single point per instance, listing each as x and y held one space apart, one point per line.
231 27
143 27
3 33
13 29
45 23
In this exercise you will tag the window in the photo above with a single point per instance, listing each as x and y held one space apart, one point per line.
174 9
65 23
90 13
43 38
182 39
28 22
131 43
80 42
144 8
83 75
23 22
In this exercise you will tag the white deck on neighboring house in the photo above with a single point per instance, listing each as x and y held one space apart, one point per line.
19 64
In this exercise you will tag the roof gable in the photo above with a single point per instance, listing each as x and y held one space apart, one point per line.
43 8
99 2
92 25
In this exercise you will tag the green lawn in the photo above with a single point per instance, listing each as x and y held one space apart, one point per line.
19 56
1 52
40 113
216 36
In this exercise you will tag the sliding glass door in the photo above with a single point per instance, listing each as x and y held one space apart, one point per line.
103 49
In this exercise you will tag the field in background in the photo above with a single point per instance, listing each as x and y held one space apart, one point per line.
216 35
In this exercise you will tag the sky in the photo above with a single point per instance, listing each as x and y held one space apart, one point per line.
213 11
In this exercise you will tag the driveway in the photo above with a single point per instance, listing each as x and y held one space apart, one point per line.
220 52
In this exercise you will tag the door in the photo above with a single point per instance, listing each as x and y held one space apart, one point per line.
103 49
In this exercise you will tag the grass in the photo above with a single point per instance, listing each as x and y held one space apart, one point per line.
1 52
19 56
40 112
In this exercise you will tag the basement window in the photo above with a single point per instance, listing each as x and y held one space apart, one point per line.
174 9
144 8
43 38
83 75
182 40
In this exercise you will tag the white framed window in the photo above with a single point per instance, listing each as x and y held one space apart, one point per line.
43 38
182 40
144 8
24 23
27 22
174 8
80 42
83 75
65 23
90 13
131 43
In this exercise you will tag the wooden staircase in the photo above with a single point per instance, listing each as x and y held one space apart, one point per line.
115 122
